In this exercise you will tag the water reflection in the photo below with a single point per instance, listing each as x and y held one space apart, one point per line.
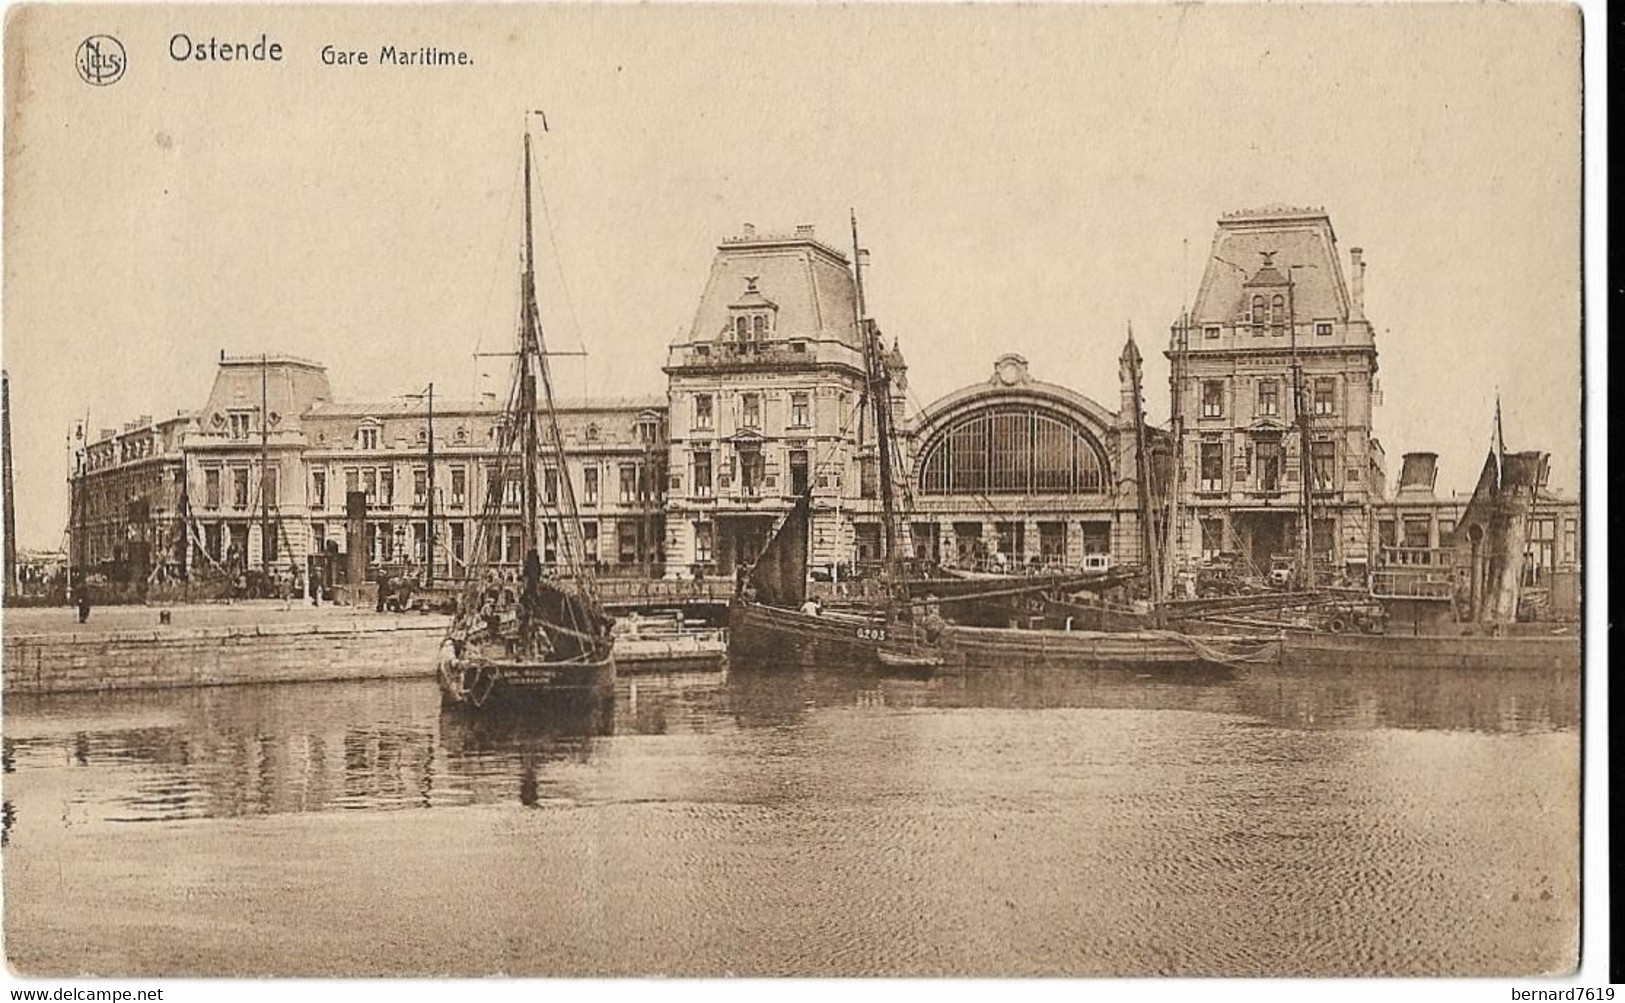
388 745
809 822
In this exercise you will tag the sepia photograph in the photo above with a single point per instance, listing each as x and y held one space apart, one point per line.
797 490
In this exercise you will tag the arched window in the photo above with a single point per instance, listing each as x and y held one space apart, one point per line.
1278 311
760 325
742 328
1013 449
1258 311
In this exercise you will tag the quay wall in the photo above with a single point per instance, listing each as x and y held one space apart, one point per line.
219 656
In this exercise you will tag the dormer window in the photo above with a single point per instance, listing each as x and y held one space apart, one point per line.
240 422
758 326
366 437
742 328
1259 318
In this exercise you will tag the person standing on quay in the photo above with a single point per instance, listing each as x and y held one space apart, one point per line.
84 602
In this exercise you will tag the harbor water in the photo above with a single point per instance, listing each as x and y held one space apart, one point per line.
804 822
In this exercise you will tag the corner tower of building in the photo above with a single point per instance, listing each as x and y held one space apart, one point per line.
1277 326
764 389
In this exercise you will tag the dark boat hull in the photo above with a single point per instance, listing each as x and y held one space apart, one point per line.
1160 649
1525 652
759 634
479 683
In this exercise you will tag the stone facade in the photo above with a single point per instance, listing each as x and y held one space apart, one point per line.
292 475
1273 302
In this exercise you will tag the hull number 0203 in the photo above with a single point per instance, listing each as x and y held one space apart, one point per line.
871 633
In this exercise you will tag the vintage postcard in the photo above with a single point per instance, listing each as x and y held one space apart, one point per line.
793 490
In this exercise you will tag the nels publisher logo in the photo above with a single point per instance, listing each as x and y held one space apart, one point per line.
100 60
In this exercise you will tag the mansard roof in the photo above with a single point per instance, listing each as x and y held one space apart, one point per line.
1257 247
809 283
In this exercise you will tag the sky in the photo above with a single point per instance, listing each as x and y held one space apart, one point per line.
1027 179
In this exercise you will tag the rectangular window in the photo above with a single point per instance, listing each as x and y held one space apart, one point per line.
513 540
550 485
367 437
1052 542
352 483
868 477
1211 331
1212 538
589 486
800 411
629 484
1416 529
271 488
702 542
702 473
1446 527
866 539
211 540
1210 463
750 472
420 543
626 542
1269 398
1097 537
318 538
459 486
211 488
550 542
239 487
318 489
459 544
1325 389
589 542
1323 464
1387 533
369 484
1267 457
1212 399
420 487
750 410
239 424
703 406
386 486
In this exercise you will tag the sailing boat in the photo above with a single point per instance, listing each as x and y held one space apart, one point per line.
545 636
770 617
1448 613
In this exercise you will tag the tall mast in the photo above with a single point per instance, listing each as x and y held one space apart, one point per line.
265 463
428 577
10 497
1142 463
1177 420
879 386
1301 414
528 351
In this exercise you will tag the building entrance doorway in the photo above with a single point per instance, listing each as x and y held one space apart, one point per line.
739 540
1264 535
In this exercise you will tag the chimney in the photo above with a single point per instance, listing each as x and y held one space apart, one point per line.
805 231
1419 472
1357 261
749 230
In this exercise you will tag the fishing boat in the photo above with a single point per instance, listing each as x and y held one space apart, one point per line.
1456 607
545 636
770 618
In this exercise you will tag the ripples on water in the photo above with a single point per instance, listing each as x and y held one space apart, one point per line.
1006 822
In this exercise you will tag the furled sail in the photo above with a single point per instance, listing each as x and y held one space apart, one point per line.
780 573
1494 531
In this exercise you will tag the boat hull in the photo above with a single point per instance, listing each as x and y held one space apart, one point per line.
994 646
479 683
760 635
1515 652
